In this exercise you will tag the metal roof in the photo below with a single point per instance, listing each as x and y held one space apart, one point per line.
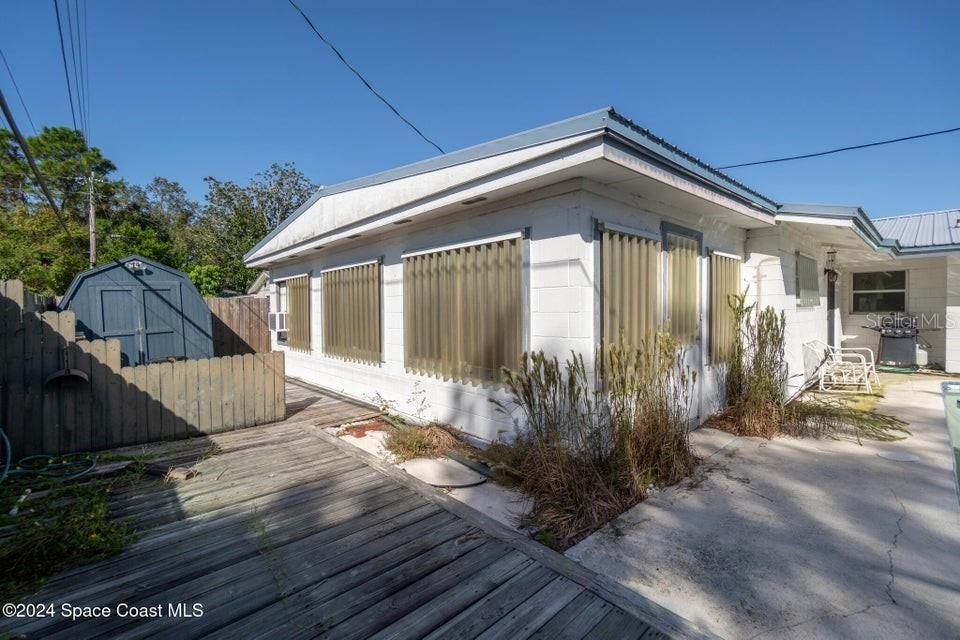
121 263
926 230
601 120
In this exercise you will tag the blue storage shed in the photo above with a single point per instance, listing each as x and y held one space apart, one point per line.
153 310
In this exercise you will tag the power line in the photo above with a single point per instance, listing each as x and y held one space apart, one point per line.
78 71
63 56
33 166
840 149
19 95
86 65
364 80
76 76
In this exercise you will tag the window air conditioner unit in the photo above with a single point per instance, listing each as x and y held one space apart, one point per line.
278 321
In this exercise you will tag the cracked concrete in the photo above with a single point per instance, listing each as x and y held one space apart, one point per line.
797 539
893 547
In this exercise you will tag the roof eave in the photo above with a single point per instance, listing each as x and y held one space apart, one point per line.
602 119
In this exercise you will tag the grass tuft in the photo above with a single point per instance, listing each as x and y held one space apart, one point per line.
71 525
757 378
430 441
592 445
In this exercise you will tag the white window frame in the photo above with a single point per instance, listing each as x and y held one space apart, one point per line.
816 270
906 297
666 230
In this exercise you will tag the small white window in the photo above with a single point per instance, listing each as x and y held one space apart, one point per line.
282 297
879 291
293 300
808 282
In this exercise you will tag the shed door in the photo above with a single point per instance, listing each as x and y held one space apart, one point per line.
121 319
163 335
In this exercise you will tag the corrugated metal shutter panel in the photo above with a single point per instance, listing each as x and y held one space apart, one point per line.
351 312
462 311
298 313
682 253
724 283
808 282
629 271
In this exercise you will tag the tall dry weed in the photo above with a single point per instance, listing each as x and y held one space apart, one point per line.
592 444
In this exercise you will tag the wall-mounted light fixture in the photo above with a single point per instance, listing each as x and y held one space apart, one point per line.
135 266
830 268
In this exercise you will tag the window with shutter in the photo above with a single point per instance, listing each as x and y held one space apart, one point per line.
629 273
724 284
350 301
462 310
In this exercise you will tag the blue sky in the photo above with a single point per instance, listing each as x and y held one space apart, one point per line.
189 89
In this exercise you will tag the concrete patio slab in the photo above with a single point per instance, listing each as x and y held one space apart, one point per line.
804 539
503 504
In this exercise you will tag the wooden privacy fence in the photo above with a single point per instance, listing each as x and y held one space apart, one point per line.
240 325
58 394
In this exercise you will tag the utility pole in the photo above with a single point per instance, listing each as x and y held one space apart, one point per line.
92 224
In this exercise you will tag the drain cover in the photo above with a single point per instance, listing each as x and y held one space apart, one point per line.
899 456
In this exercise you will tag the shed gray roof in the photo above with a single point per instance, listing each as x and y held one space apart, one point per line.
922 230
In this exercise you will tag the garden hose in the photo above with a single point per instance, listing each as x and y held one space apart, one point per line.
69 466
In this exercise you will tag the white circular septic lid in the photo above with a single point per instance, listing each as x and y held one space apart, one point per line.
442 472
899 456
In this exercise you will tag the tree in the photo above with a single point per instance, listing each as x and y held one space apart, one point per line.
66 163
207 278
35 248
13 177
160 215
235 218
158 221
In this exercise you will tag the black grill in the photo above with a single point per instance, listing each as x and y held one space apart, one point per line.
898 339
898 325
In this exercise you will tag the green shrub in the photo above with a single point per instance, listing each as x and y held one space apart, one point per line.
71 526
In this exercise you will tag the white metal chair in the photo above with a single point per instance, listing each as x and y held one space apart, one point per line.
845 367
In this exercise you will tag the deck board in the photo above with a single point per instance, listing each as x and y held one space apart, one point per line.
288 532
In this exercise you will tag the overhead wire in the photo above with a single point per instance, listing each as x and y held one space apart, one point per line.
17 89
79 74
362 79
78 88
63 56
86 67
841 149
33 167
25 147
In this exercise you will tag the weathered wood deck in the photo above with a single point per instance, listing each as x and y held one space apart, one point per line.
290 533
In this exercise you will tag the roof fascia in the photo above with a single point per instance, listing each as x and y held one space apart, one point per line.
571 127
600 119
683 160
855 215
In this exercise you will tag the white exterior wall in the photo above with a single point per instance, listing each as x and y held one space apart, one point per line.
646 217
563 296
770 277
952 311
926 297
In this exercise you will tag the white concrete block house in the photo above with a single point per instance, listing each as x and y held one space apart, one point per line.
417 283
